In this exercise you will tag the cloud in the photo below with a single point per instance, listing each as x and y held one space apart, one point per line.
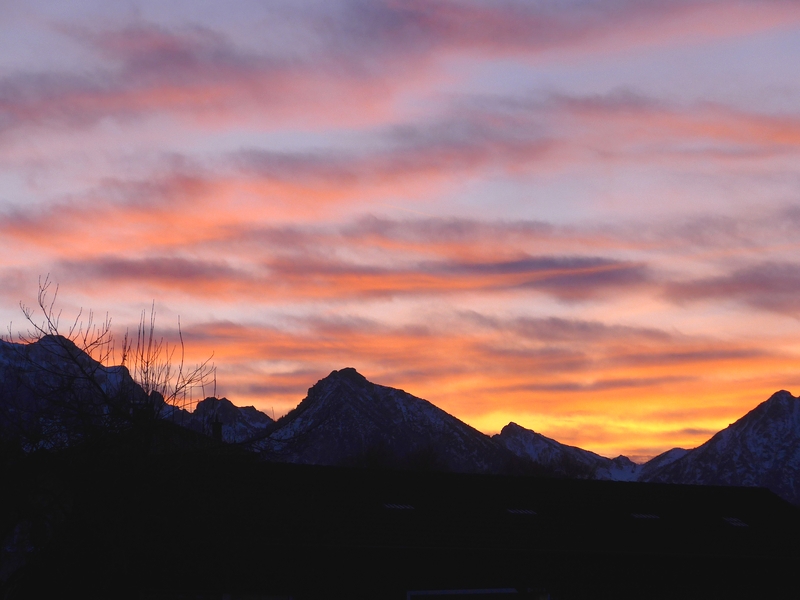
191 72
309 278
522 27
433 231
698 431
355 54
566 278
445 147
770 286
607 384
198 215
486 371
560 330
532 136
167 269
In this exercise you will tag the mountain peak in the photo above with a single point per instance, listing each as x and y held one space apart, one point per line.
239 423
563 459
346 419
781 408
348 374
513 427
212 406
780 398
762 448
347 377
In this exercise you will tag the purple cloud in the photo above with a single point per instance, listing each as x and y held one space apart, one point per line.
771 286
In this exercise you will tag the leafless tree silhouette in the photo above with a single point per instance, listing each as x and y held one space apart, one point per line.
66 384
165 378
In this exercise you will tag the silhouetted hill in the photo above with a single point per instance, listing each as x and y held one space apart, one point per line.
346 419
52 395
237 423
760 449
564 460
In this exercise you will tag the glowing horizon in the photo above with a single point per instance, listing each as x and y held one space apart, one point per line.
579 217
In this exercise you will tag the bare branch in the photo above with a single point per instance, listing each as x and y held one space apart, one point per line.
75 376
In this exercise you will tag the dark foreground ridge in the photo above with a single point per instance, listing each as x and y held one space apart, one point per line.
208 522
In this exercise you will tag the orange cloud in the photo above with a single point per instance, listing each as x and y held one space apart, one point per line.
657 391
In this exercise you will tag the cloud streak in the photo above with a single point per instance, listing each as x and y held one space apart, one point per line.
569 279
545 377
361 50
766 286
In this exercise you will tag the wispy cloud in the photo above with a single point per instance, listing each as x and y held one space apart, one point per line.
546 377
766 286
361 51
194 72
311 278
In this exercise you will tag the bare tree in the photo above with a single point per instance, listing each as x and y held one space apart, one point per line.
65 385
165 379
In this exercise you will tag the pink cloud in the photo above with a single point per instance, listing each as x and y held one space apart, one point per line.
366 55
541 380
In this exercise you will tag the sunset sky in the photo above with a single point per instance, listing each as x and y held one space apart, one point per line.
581 216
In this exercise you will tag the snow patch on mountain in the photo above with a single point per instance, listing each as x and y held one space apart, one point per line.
566 460
660 461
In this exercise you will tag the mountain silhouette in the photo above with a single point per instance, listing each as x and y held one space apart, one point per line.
53 395
569 461
345 419
760 449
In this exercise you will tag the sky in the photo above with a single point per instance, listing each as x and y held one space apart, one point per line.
577 215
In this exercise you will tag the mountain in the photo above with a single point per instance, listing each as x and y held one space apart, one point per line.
238 423
564 460
346 419
52 394
658 462
760 449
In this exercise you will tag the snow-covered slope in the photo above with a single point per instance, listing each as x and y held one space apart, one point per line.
760 449
659 462
345 419
565 460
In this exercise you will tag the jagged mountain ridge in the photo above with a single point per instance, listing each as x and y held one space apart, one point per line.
239 424
52 395
569 461
760 449
346 419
